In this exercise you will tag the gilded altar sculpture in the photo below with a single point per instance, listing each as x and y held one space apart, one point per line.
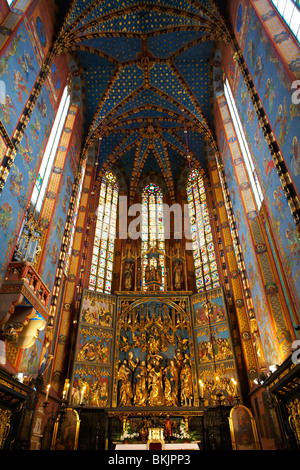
155 355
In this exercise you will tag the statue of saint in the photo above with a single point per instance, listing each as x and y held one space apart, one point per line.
186 384
171 384
140 380
154 342
159 273
155 385
128 276
124 377
177 276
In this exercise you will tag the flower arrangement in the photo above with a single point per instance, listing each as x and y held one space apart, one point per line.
184 435
128 434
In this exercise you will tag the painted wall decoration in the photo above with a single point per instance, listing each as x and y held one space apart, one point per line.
214 349
47 271
273 83
275 200
272 327
274 86
94 347
18 72
17 190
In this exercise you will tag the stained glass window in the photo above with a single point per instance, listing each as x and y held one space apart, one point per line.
103 250
152 231
202 238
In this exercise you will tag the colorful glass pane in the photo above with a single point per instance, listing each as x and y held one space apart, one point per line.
201 233
102 260
152 227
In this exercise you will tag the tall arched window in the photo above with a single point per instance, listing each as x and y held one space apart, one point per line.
153 239
105 233
202 239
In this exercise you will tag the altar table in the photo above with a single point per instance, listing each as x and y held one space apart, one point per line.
176 446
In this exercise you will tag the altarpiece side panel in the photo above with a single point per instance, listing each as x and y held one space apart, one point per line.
216 365
92 371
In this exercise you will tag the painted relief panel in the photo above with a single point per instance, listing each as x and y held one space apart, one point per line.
214 349
154 353
18 187
18 72
94 348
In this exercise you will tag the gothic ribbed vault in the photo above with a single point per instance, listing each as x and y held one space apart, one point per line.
147 72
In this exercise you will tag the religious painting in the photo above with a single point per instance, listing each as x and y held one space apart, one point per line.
66 431
243 429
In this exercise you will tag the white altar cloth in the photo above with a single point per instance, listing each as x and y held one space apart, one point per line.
176 446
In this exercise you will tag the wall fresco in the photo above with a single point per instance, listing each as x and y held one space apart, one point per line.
57 224
18 72
273 84
17 190
280 215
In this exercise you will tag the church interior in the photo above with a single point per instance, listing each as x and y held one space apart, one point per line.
150 224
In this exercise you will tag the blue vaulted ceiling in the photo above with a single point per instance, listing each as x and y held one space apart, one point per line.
146 68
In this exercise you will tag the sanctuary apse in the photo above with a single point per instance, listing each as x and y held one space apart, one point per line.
149 281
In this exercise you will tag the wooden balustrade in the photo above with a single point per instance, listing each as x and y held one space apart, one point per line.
24 271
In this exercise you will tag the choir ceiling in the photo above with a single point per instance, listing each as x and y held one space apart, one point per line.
147 70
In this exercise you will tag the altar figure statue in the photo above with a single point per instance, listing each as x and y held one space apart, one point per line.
171 384
154 342
159 273
128 276
186 384
155 385
140 381
177 276
125 376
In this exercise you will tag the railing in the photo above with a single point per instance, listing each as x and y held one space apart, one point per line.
24 271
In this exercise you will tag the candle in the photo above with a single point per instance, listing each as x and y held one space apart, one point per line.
82 395
201 388
47 391
67 391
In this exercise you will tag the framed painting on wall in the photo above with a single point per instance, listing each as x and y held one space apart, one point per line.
66 431
243 429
